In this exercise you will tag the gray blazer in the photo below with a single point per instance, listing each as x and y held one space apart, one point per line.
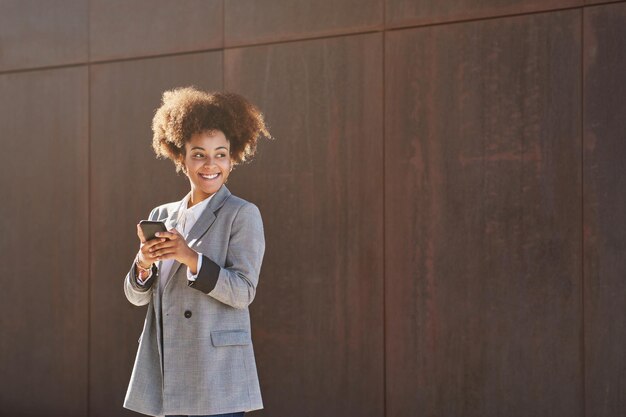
195 353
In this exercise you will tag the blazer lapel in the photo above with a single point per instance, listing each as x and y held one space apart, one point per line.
207 217
201 226
171 221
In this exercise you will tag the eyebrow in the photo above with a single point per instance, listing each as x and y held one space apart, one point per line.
201 148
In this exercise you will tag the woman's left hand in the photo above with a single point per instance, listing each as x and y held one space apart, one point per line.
176 248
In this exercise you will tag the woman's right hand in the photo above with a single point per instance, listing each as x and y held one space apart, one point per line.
145 258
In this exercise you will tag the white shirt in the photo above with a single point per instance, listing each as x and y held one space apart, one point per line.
187 217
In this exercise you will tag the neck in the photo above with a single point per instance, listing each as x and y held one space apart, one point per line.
197 197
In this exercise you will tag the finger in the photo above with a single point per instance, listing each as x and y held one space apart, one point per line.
167 244
142 239
168 235
163 251
145 248
164 254
152 243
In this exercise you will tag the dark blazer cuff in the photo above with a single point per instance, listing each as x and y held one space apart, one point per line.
207 276
147 284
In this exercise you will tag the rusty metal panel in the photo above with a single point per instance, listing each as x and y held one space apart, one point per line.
126 183
43 218
318 315
129 29
483 218
38 34
410 12
605 208
262 21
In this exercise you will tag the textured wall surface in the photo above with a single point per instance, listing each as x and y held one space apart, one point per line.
483 191
126 183
44 304
319 321
443 203
605 209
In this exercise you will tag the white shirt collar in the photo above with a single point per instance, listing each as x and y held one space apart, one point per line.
189 215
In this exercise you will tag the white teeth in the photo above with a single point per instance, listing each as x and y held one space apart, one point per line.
209 176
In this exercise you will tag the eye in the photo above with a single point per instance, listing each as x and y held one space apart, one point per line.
221 155
197 155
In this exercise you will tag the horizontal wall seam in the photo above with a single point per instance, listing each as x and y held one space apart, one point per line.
501 16
311 38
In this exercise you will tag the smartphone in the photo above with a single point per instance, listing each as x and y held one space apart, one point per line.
149 228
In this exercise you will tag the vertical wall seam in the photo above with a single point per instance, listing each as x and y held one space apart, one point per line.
223 45
384 249
88 382
582 209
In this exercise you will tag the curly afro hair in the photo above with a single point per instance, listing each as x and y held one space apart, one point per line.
187 111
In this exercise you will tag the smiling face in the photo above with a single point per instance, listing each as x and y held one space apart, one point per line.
207 163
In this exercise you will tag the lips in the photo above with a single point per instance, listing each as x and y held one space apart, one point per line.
210 176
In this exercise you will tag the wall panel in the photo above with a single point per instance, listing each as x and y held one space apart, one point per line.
467 262
43 218
317 317
605 208
126 183
412 12
38 34
261 21
130 29
483 218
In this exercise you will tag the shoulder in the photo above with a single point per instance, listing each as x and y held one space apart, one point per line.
164 210
239 204
242 209
236 202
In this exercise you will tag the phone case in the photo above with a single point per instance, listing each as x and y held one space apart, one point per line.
149 228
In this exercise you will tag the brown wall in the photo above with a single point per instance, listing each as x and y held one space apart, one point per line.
444 203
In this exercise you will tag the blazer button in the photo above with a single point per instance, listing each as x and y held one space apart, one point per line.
187 314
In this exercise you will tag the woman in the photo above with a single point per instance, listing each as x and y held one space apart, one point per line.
195 353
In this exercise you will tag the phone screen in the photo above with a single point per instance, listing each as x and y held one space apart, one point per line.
149 228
